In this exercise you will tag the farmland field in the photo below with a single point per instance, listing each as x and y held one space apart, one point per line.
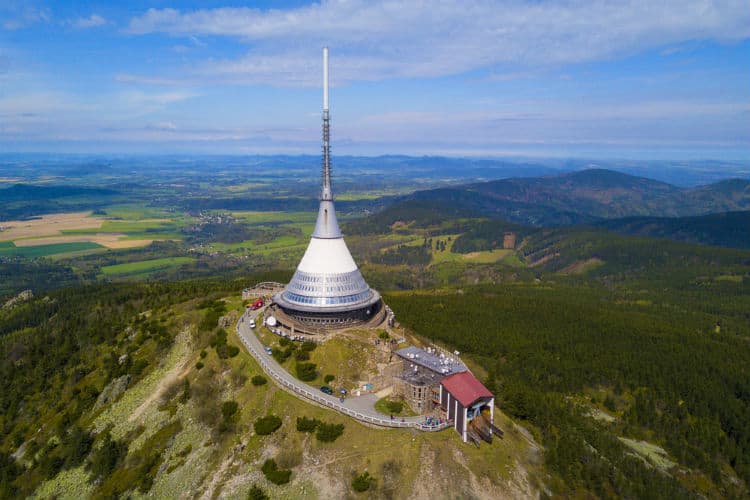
49 225
8 249
145 266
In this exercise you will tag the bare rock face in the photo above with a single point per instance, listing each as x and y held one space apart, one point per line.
228 320
113 391
21 297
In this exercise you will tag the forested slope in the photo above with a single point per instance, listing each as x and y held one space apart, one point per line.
673 368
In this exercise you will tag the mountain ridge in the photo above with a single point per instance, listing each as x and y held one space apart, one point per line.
586 197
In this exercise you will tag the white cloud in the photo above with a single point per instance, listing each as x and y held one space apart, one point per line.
93 21
18 17
163 126
146 80
388 39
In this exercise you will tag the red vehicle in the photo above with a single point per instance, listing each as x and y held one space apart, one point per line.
257 304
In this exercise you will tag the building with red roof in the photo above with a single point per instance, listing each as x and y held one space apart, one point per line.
469 404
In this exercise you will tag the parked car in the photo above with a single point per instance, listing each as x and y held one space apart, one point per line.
327 390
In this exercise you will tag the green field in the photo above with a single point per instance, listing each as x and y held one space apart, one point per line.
268 217
7 248
144 267
135 226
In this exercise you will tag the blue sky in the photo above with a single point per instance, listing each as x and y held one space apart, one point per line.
626 78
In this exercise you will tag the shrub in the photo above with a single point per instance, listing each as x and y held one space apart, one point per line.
259 380
301 355
267 425
256 493
76 445
204 353
227 351
106 458
305 424
308 346
219 338
362 482
199 365
138 367
394 406
228 409
328 433
274 474
306 372
284 342
609 403
279 355
185 395
328 378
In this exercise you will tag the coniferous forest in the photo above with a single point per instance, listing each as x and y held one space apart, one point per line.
673 365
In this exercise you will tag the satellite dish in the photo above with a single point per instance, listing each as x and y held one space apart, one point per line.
271 321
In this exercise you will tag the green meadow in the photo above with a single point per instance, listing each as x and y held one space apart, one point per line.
7 248
144 267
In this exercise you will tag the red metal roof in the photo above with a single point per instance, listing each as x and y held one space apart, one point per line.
465 388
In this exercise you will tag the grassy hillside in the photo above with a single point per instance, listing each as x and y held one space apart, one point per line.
149 401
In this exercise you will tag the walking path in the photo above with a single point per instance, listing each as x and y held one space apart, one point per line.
359 407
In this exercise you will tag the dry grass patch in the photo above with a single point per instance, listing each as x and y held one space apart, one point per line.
49 225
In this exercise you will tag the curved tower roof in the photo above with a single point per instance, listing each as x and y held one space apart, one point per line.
327 279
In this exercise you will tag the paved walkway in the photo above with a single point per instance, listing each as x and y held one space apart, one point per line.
358 407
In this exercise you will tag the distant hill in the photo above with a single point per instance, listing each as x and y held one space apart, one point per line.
723 196
26 192
20 201
594 193
583 197
727 229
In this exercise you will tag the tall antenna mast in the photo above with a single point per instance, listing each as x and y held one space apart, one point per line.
326 194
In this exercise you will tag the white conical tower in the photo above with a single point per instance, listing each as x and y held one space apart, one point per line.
327 287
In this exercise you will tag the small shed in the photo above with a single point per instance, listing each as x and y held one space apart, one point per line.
470 405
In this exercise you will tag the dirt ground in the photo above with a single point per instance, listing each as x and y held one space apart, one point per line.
48 225
47 230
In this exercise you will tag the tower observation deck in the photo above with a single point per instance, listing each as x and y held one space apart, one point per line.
327 289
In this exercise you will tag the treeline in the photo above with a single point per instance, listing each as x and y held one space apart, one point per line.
412 255
691 383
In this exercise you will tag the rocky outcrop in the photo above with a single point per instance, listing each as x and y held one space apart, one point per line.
113 391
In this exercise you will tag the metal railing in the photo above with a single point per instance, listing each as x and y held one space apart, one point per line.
333 404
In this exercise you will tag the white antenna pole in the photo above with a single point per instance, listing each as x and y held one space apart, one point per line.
326 194
325 78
